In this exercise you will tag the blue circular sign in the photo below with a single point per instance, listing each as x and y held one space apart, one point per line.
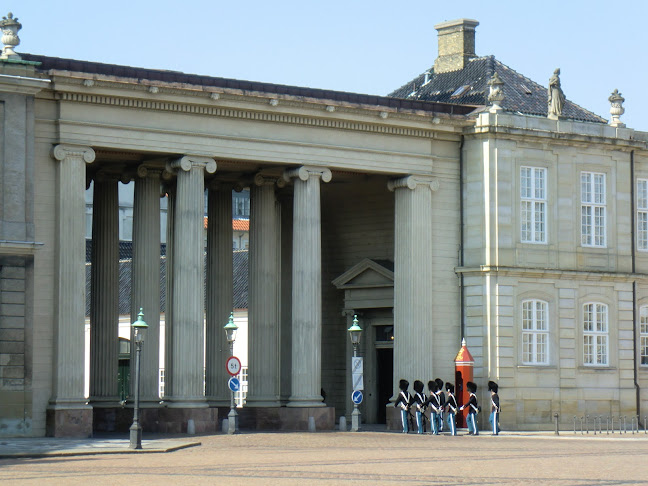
234 384
356 396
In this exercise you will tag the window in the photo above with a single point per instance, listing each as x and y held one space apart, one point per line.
643 335
533 204
592 209
642 214
595 334
535 332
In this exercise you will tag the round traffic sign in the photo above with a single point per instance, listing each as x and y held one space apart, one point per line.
356 397
234 384
233 365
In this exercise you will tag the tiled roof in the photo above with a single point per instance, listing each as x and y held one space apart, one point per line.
237 224
240 283
521 95
241 224
57 63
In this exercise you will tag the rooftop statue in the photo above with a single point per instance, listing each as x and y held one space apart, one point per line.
556 99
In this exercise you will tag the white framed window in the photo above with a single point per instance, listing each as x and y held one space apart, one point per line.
642 214
595 334
593 209
533 204
535 332
643 335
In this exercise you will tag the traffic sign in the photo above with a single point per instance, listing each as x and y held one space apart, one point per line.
357 381
233 365
356 397
234 384
356 365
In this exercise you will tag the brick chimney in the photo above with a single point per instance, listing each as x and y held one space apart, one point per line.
456 44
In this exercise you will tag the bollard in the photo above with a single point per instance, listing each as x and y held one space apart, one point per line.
644 424
311 424
581 421
607 425
225 426
594 424
600 425
343 427
556 419
612 419
574 424
587 424
625 429
191 427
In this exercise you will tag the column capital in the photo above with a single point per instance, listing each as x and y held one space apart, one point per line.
144 170
220 185
65 151
411 181
304 172
188 161
261 179
107 176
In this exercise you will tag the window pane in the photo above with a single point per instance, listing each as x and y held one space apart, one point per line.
599 188
642 194
644 350
527 347
586 190
588 356
642 230
586 225
525 220
525 182
539 221
540 183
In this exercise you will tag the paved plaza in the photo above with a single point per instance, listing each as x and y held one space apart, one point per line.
328 458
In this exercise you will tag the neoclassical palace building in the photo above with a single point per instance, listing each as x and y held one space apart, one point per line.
463 205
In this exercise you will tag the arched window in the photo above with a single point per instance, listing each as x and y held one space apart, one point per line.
535 332
595 334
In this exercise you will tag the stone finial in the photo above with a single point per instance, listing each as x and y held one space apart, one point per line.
495 93
556 97
616 108
10 27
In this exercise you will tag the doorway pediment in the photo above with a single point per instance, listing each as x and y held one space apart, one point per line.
367 274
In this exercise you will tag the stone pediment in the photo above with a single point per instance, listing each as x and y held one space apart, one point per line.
366 274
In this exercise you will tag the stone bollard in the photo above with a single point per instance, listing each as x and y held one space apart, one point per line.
191 427
343 426
311 424
225 426
556 416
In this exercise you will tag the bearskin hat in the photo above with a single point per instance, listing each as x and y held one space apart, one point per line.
449 387
418 386
432 386
439 383
492 386
472 388
403 385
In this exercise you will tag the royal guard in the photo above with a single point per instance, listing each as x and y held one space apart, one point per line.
473 409
495 408
419 405
442 400
435 406
451 407
403 402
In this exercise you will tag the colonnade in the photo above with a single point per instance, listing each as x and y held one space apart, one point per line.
195 348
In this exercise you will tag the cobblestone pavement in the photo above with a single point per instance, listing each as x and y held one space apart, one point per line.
367 458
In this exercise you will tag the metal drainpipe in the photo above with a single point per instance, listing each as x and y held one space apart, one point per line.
634 283
461 239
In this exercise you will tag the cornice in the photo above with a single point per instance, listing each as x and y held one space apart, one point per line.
562 274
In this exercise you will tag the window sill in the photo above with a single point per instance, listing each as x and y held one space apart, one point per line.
597 368
537 367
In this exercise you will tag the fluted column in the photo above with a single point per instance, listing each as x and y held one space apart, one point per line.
170 190
413 302
219 291
307 287
104 292
145 275
69 336
188 283
263 294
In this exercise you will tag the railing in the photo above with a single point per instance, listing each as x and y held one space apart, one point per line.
621 424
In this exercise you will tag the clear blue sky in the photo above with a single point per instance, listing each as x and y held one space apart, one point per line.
354 45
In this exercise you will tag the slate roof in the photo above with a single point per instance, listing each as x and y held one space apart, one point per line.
73 65
521 95
240 283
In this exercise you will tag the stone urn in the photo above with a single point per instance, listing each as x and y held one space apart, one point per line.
10 27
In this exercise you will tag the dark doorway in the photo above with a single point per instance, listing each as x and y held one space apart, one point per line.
385 380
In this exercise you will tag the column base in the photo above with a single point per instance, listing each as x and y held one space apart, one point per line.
104 402
62 421
262 401
216 402
178 402
308 402
282 418
157 420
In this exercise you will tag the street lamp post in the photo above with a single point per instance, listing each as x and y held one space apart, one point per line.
355 331
230 332
139 330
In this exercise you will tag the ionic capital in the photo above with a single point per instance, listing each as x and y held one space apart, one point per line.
261 179
146 170
410 182
304 172
187 162
67 151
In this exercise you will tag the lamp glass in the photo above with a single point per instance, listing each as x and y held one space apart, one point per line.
230 329
355 331
139 327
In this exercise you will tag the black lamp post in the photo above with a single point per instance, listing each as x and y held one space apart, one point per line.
355 331
230 332
139 330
